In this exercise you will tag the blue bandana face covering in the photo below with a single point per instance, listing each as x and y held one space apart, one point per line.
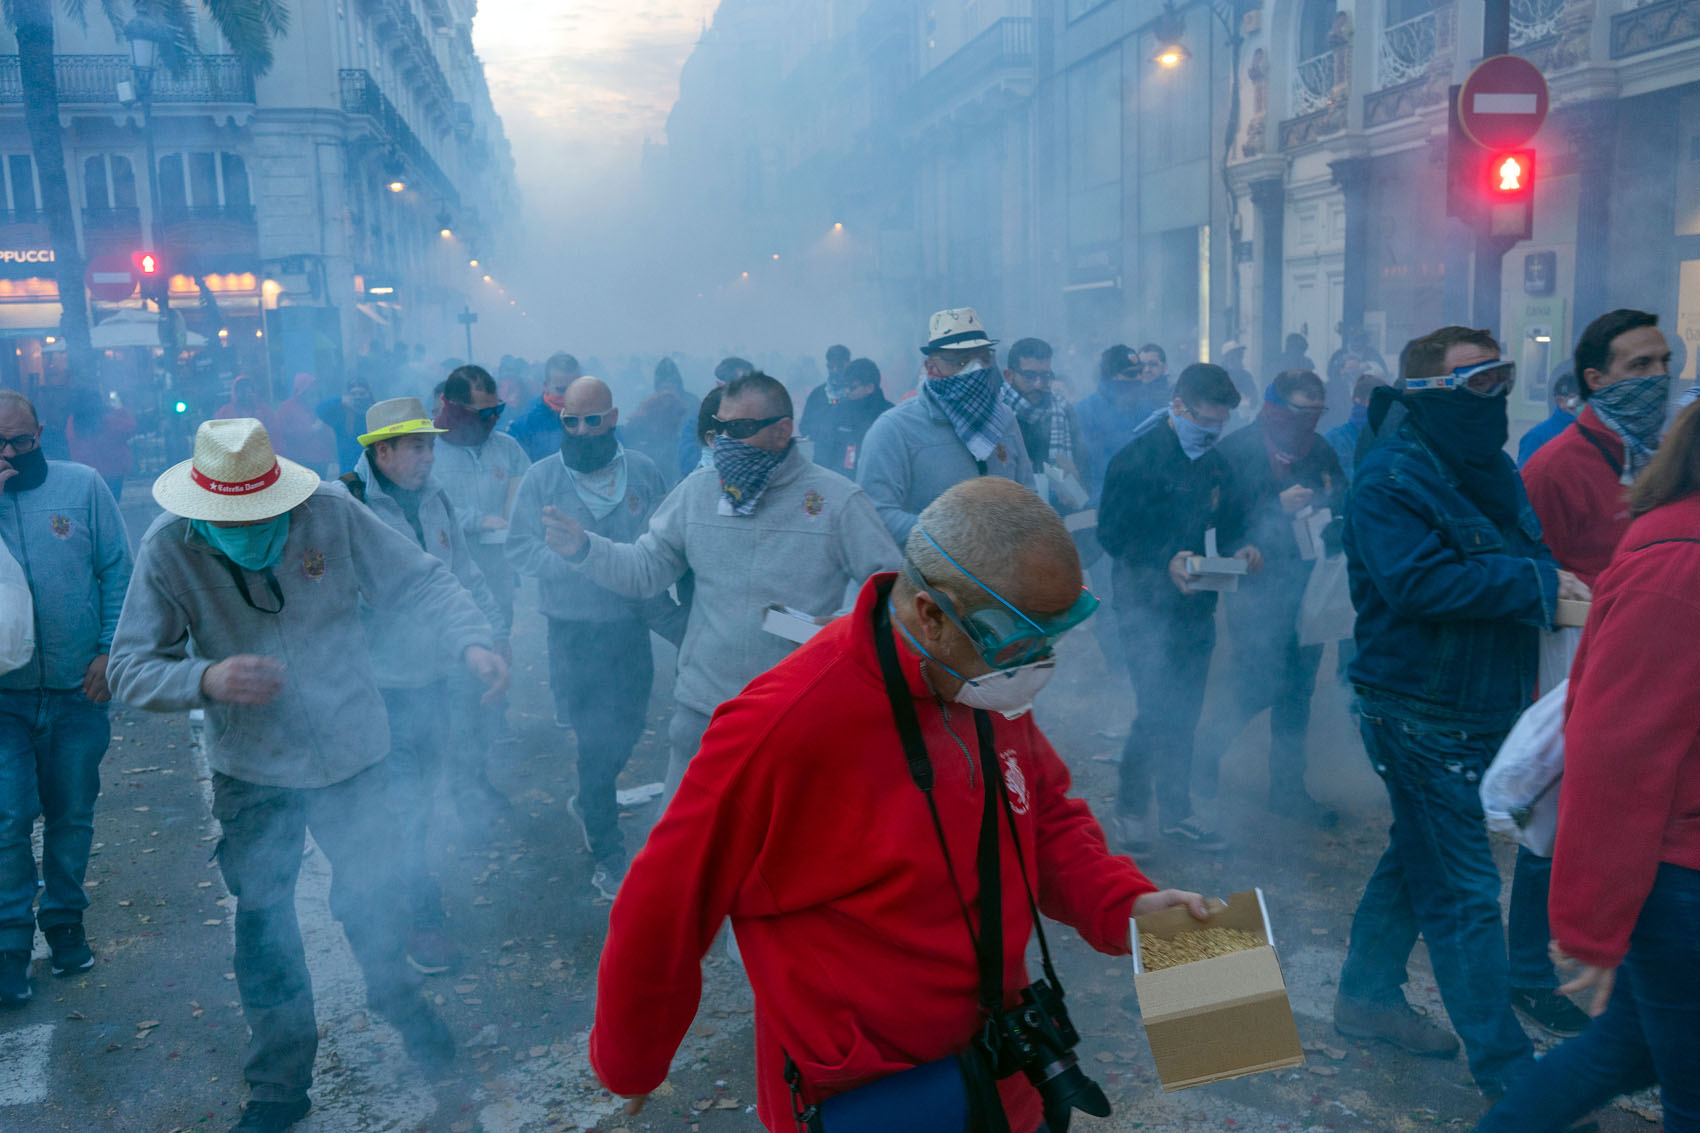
1196 440
255 547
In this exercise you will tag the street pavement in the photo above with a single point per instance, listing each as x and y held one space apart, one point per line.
152 1037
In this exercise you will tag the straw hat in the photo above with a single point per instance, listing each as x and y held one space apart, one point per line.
397 417
956 329
233 476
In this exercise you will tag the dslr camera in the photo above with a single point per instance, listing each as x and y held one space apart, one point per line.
1037 1038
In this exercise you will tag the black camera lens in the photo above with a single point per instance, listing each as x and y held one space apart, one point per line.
1063 1087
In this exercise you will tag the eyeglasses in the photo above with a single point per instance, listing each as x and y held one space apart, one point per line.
743 428
1212 422
1042 376
1486 379
19 444
591 420
1004 636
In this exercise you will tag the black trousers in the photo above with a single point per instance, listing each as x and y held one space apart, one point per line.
601 674
1168 658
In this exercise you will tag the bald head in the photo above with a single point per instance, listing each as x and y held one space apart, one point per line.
1005 536
588 397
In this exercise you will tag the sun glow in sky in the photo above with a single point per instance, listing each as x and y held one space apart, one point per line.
581 84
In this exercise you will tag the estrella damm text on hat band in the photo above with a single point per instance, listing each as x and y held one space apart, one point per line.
236 487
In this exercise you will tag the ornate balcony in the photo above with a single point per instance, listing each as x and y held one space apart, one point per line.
362 95
1407 50
1653 26
995 66
1313 84
92 80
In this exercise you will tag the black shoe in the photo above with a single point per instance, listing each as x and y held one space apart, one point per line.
425 1035
1395 1023
1195 832
71 953
1550 1011
1300 807
271 1117
15 978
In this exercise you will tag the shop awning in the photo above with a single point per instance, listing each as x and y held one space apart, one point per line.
133 328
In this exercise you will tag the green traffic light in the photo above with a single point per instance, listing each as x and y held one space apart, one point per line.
182 407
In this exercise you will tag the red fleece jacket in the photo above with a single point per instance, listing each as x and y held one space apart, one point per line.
799 820
1577 495
1631 792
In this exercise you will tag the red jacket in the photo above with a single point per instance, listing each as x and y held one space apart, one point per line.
798 819
1577 493
1631 792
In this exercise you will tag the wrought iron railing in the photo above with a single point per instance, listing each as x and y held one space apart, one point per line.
122 219
1313 84
362 95
93 80
1407 49
1534 20
1008 43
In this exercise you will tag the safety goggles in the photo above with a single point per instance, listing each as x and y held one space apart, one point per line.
1004 637
591 420
1485 379
743 428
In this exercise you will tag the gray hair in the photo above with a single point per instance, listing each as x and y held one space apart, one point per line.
991 527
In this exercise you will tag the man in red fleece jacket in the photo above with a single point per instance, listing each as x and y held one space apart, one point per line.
800 821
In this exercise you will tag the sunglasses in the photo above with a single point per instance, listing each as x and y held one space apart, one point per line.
19 444
1004 637
1486 379
743 428
591 420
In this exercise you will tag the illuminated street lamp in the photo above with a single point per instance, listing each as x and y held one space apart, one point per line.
395 170
443 222
1167 29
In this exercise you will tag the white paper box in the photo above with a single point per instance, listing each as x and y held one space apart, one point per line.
792 625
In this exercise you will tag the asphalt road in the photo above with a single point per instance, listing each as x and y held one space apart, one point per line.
152 1037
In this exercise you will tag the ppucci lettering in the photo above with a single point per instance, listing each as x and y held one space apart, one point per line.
26 255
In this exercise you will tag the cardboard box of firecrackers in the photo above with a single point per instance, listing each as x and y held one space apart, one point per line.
1571 613
1211 993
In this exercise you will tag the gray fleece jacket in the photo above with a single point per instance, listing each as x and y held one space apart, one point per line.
403 648
184 611
911 455
812 541
564 593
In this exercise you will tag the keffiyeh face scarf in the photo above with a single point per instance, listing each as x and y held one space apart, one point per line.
1634 409
744 471
971 404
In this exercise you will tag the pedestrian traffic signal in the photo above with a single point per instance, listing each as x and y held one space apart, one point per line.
1493 191
150 271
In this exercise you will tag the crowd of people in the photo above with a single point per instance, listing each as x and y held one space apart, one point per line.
348 636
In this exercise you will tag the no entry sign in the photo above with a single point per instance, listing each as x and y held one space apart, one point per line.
111 278
1503 102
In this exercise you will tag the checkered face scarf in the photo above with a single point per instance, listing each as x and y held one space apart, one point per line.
1051 412
1635 411
971 404
744 471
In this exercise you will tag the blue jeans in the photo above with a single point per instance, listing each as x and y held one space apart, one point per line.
1526 925
51 745
1650 1031
1438 878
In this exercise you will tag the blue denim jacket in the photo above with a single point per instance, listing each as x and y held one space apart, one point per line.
1450 606
69 538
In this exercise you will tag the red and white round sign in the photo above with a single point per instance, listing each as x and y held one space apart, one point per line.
1503 102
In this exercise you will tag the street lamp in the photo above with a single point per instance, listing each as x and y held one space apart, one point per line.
1168 29
145 35
443 225
395 173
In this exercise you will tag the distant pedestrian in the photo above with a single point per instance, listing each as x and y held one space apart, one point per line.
246 400
839 422
243 604
1345 437
346 418
654 428
61 524
538 429
1049 426
687 453
1233 361
1128 396
957 428
297 431
99 432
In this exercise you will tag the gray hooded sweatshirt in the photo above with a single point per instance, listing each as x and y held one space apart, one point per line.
184 612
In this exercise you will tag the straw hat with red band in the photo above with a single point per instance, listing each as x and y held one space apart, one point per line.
234 476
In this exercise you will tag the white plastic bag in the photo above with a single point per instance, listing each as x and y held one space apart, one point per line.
1558 652
17 614
1520 789
1326 614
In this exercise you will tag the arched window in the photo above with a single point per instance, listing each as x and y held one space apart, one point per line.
1315 18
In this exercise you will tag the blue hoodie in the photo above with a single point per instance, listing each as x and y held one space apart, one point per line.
1109 415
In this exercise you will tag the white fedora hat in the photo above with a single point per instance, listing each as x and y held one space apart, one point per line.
956 329
397 417
233 476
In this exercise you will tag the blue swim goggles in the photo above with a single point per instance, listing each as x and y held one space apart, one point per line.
1004 636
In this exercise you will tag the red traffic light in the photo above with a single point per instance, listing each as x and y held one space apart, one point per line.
1511 175
149 265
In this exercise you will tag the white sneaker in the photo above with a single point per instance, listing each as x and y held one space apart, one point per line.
1132 832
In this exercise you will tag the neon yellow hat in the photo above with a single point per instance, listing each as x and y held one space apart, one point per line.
397 417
